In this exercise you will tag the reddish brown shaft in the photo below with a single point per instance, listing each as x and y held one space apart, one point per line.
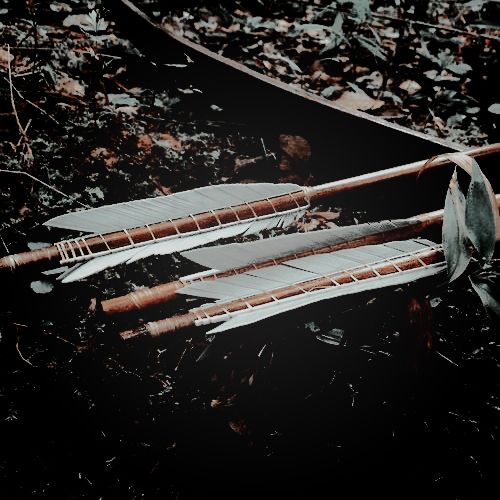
85 247
148 297
335 187
169 325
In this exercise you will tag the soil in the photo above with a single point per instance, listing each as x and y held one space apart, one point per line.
269 410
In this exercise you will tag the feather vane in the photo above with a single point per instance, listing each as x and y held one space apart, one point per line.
298 271
138 213
236 255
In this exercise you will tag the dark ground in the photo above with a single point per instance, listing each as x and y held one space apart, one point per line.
268 410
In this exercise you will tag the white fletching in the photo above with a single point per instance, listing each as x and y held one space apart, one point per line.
236 255
96 265
295 271
168 246
291 303
138 213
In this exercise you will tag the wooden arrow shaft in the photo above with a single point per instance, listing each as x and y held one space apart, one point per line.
87 247
335 187
221 311
149 297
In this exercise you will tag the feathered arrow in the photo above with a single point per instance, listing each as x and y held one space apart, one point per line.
261 293
126 232
236 258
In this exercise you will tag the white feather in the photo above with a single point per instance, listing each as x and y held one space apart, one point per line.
259 313
98 264
167 246
236 255
295 271
177 244
152 210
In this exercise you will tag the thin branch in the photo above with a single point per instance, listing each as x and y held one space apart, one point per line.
11 88
4 244
25 131
436 26
33 104
21 356
2 171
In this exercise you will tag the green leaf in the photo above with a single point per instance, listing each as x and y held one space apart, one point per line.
495 108
481 214
373 47
455 243
488 289
336 35
459 69
360 8
337 25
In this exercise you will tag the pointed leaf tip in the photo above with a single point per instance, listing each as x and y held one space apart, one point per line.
481 214
455 242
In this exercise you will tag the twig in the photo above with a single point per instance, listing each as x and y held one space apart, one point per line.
33 104
21 356
2 171
20 47
25 131
447 359
182 355
11 86
4 244
436 26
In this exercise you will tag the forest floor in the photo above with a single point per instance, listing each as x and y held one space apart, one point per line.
269 409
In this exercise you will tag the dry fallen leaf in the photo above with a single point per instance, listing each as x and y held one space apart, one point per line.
168 141
358 100
144 142
326 215
69 87
239 427
109 157
295 146
305 226
5 58
164 190
410 86
60 7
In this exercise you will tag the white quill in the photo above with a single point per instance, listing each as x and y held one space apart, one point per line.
234 255
184 204
138 213
296 271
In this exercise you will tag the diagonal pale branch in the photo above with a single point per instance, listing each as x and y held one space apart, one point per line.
48 186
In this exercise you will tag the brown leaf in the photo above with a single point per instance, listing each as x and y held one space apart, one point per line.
109 157
295 146
144 142
5 58
358 100
217 403
326 215
69 87
238 426
168 140
306 226
410 86
160 187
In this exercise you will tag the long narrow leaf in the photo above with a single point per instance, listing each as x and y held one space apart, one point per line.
455 243
482 220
